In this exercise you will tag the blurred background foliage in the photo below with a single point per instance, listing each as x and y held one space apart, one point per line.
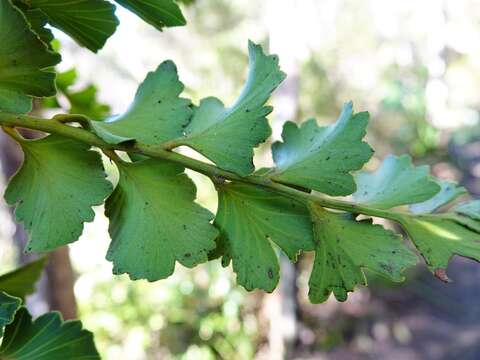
415 66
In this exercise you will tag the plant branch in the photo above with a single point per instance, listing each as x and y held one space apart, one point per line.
54 126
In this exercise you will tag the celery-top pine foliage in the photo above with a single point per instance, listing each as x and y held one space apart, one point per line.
316 198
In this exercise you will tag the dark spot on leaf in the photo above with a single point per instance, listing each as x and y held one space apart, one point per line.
270 273
386 267
187 255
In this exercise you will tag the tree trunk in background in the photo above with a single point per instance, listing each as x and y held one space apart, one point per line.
56 288
60 283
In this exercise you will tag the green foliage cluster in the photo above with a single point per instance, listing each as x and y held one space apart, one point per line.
47 337
293 207
26 53
155 221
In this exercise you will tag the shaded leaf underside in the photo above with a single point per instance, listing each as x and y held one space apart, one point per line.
24 62
8 307
250 221
344 247
155 222
49 190
438 239
449 191
397 182
159 13
21 282
47 338
89 22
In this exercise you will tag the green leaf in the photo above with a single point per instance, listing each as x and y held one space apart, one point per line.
157 114
321 158
37 20
89 22
85 102
344 247
250 220
21 282
227 136
24 62
59 182
66 79
449 191
47 338
8 307
159 13
470 209
397 182
438 239
154 221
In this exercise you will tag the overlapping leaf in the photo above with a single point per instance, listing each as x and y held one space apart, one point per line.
59 182
89 22
396 182
155 222
439 238
159 13
321 158
470 209
37 20
344 247
8 307
250 220
46 338
449 191
24 62
21 282
227 136
157 113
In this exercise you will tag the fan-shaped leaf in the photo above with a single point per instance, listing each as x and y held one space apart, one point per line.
321 158
344 247
438 239
250 220
154 221
21 282
227 136
157 113
59 182
396 182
